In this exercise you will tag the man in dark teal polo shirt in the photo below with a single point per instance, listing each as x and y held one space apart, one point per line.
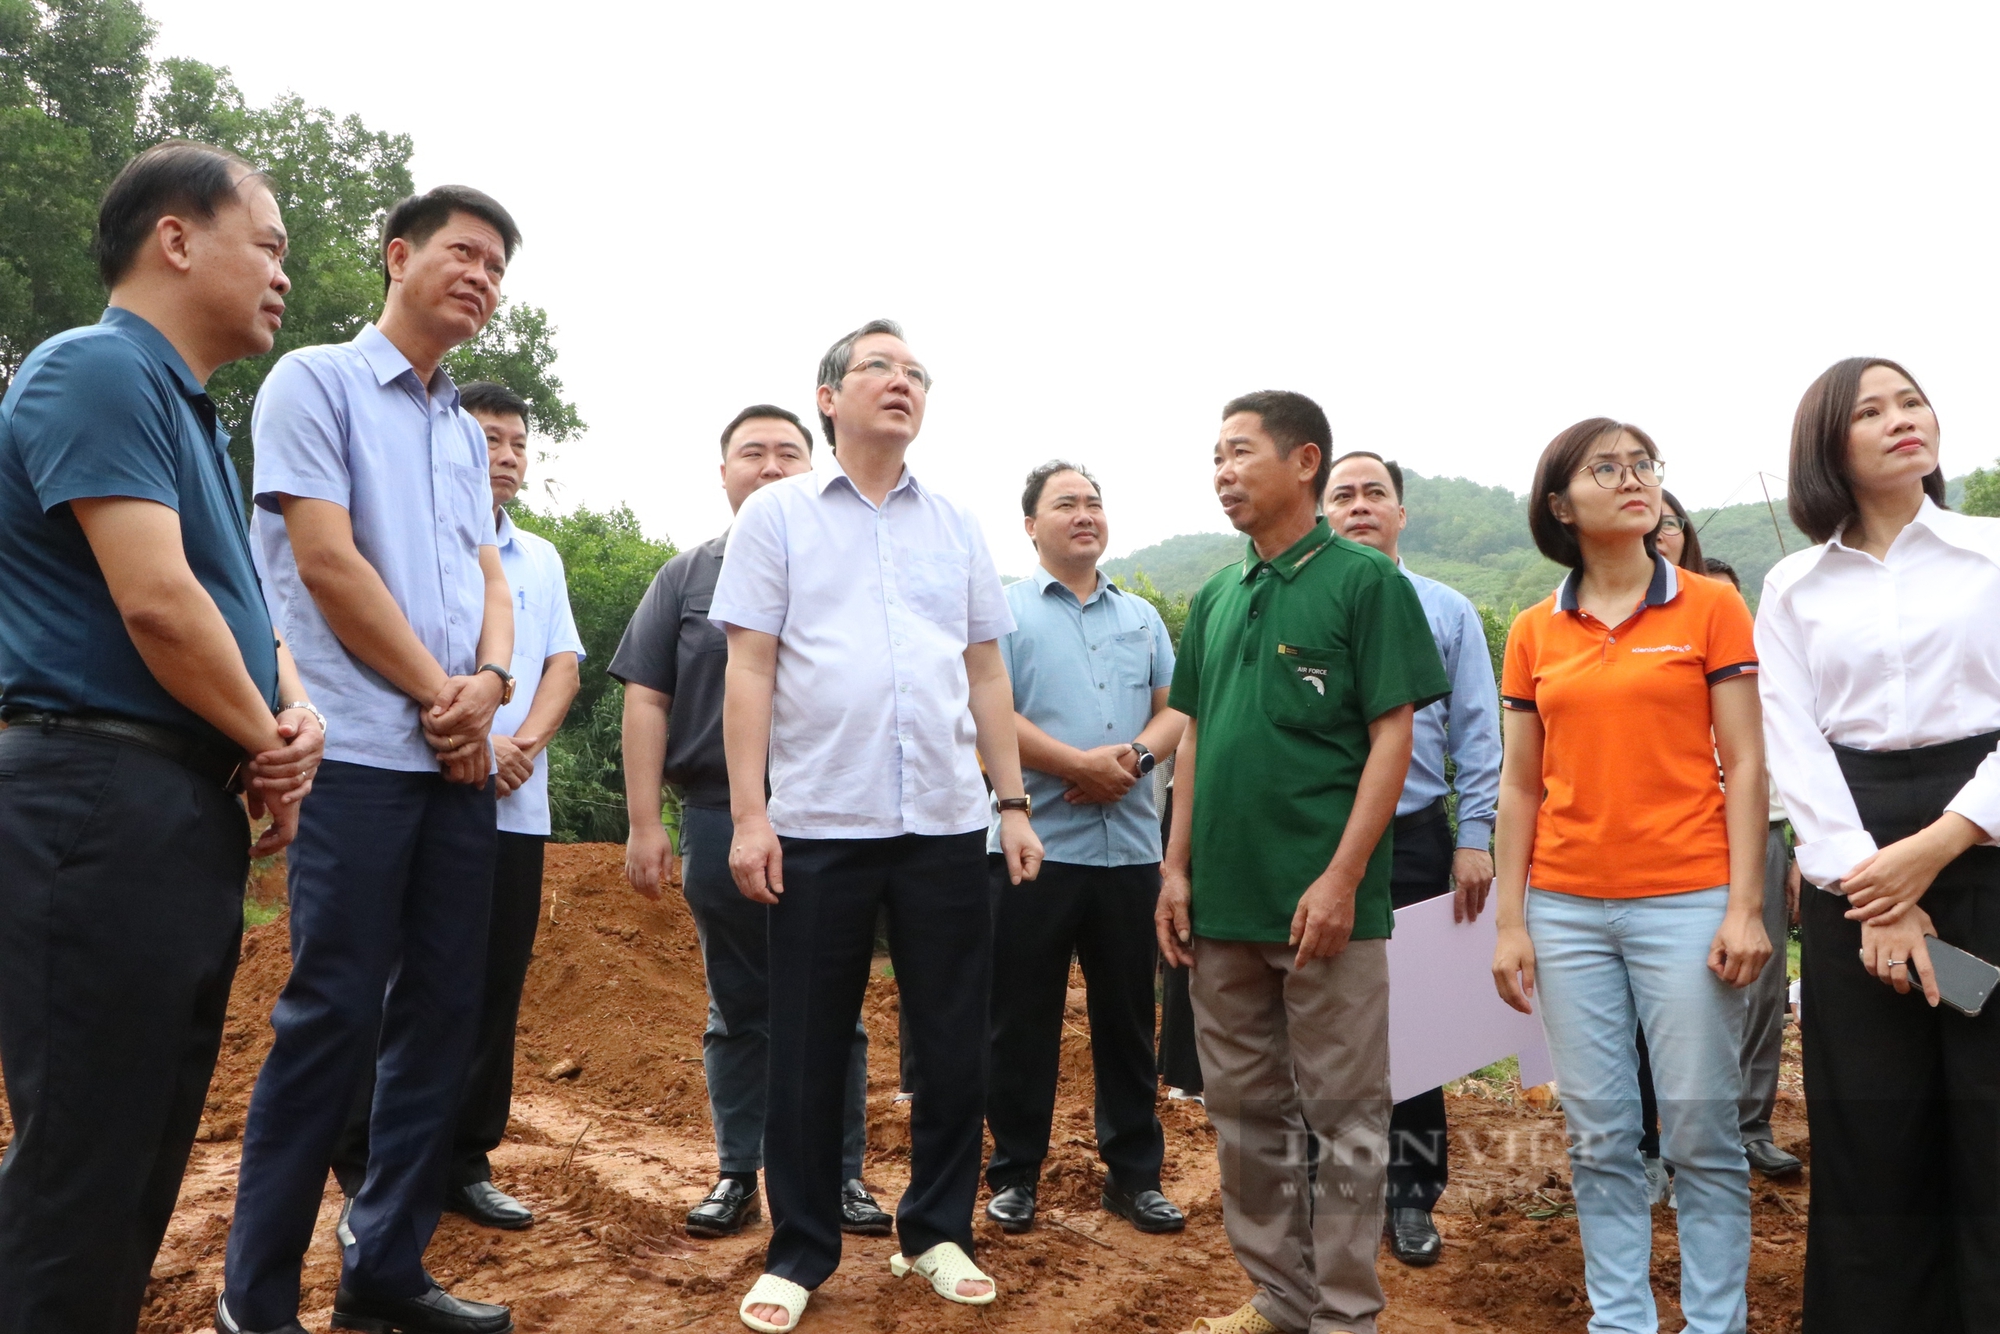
142 688
1300 670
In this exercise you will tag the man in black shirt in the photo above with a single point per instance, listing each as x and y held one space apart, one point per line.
672 661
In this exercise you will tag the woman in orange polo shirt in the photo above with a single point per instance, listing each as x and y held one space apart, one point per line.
1631 887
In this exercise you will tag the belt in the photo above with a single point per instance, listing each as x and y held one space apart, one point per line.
1417 819
203 759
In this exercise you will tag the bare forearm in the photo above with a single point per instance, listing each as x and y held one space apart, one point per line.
1043 753
190 651
1180 837
1747 810
553 696
746 740
496 629
1375 796
291 687
1513 838
1163 733
369 623
992 703
643 739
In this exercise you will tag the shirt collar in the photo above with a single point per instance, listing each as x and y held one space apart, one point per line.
1045 581
140 331
504 527
1664 587
1287 563
388 363
826 477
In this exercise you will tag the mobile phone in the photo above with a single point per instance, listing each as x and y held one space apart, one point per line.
1964 981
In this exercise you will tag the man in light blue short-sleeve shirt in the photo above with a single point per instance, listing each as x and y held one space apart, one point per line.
375 538
1090 663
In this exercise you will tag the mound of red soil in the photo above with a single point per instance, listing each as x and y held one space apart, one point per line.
611 1142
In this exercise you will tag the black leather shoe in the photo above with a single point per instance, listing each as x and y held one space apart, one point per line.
1771 1160
724 1211
1413 1238
436 1312
225 1324
489 1206
1013 1208
860 1214
1148 1210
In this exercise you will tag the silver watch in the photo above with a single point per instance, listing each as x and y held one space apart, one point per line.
307 705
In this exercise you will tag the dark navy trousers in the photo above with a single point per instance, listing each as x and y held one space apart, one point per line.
391 892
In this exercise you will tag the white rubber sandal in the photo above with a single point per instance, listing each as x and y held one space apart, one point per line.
770 1290
946 1266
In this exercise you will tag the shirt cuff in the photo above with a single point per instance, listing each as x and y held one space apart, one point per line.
1980 807
1825 861
1476 834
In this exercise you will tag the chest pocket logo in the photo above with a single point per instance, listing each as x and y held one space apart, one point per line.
1302 687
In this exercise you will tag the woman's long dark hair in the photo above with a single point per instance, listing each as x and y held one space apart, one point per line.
1819 489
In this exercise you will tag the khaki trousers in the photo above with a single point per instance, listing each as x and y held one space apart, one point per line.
1290 1053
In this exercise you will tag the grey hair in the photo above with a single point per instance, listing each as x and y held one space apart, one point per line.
833 366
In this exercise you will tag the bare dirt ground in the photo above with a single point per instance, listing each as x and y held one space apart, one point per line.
610 1144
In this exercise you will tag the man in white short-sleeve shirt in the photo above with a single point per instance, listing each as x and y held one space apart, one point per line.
862 610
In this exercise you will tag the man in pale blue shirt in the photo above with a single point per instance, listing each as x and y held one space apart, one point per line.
862 610
1364 503
546 655
1090 664
374 535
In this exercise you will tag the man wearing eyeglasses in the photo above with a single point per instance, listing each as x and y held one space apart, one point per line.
863 610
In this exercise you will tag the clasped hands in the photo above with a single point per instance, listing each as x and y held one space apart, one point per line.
1102 775
1882 892
275 781
456 726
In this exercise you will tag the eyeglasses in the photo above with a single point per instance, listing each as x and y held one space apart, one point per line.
1611 476
1671 524
881 368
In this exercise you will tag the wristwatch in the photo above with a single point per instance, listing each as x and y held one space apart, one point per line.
306 704
1146 759
1025 805
506 680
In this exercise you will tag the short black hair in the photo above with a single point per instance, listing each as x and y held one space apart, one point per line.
1559 463
1290 420
1038 481
833 366
1722 569
1819 489
1691 557
493 399
178 175
418 218
770 410
1395 468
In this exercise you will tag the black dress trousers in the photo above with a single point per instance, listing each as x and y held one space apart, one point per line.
1104 914
1903 1100
1421 870
121 912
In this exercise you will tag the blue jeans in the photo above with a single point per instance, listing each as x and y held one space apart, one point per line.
1603 966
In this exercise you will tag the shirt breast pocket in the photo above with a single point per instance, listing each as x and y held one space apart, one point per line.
1132 659
531 624
1302 687
698 633
468 495
935 583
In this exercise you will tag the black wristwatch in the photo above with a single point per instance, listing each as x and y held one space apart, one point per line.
1146 759
506 681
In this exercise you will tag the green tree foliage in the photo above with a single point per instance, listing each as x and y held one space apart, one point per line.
79 95
1982 492
1173 610
609 562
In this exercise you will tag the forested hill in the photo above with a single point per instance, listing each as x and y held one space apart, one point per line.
1475 538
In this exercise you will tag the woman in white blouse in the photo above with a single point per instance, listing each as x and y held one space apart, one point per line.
1880 654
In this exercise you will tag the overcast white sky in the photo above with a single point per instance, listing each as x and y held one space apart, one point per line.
1460 228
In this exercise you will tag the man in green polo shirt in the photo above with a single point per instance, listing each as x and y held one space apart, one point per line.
1300 671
